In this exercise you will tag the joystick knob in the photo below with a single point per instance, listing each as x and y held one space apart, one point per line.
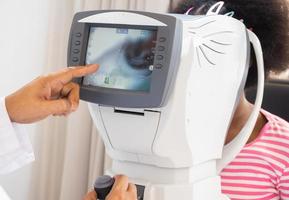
102 186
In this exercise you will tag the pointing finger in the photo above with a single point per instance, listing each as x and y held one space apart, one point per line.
75 72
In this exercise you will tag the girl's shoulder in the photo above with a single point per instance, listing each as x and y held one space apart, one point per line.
275 124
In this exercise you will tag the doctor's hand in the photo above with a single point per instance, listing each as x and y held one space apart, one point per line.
53 94
121 190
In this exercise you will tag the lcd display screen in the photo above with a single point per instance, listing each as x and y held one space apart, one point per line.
125 57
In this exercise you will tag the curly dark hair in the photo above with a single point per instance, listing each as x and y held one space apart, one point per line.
268 19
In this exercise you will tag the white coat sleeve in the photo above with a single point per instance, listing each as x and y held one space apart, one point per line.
15 147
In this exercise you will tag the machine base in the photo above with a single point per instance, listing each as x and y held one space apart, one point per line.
207 189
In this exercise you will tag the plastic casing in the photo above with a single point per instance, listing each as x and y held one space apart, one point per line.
178 138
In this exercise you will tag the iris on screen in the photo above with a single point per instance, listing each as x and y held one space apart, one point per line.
125 57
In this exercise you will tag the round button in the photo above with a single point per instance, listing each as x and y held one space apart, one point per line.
77 42
160 57
161 48
162 39
75 59
76 51
159 66
78 34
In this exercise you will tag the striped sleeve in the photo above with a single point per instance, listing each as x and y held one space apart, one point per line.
283 185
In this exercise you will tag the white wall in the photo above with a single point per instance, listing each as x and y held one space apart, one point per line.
22 57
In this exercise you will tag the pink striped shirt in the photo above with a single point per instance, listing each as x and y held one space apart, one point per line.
261 169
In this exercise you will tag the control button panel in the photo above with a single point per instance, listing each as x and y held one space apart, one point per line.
160 51
76 46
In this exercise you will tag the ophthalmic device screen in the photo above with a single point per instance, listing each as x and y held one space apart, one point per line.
125 56
138 54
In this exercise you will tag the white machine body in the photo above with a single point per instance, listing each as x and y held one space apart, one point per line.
173 149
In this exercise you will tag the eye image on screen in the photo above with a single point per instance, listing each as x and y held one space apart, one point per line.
125 57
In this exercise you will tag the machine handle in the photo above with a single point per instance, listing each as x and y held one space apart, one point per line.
102 186
232 149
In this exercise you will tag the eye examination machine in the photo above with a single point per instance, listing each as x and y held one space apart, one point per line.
165 94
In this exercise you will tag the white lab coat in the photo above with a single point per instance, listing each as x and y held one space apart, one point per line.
15 146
